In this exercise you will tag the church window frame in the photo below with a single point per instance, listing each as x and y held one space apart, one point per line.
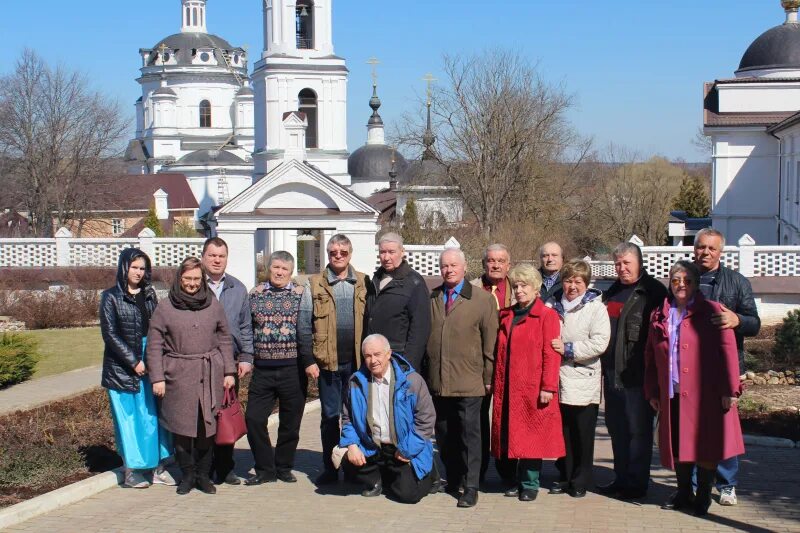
205 114
308 103
304 24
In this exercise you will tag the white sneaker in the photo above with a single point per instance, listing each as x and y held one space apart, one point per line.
135 479
727 496
161 476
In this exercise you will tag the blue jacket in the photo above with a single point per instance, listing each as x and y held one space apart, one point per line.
236 302
412 414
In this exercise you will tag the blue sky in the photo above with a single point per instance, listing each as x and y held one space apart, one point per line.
636 68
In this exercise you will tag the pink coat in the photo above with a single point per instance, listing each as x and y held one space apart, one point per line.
534 429
709 371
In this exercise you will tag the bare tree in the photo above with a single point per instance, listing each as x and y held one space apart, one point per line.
501 131
58 137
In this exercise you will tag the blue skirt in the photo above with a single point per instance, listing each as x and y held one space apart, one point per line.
141 441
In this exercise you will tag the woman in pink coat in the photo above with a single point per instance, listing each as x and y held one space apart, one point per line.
692 381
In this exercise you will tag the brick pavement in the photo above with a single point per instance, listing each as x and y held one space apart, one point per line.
44 390
768 503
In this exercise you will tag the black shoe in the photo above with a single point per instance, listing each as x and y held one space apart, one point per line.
259 479
327 477
631 494
609 489
469 498
577 493
559 488
677 501
452 488
512 492
204 484
230 479
186 485
528 495
371 492
287 477
439 485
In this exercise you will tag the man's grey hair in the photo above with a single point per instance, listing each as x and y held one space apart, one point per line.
625 248
496 247
377 337
712 232
458 251
541 249
280 255
340 239
391 237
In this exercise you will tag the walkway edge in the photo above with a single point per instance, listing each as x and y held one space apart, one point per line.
88 487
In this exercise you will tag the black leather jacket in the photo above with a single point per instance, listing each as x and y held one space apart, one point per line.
734 291
627 351
122 327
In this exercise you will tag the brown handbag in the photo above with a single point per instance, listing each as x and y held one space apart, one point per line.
230 420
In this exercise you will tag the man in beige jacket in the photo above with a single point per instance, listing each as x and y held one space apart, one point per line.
460 355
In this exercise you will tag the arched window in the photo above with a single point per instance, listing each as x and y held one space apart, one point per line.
194 16
304 24
188 16
307 103
205 114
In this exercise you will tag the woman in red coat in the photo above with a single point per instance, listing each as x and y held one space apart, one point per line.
692 381
526 425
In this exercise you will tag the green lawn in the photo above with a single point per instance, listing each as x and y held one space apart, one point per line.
67 349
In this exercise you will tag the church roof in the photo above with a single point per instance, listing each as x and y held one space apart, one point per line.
183 43
776 48
211 157
374 161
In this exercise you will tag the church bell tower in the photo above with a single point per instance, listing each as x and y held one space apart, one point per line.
298 71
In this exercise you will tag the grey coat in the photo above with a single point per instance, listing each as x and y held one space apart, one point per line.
236 301
191 351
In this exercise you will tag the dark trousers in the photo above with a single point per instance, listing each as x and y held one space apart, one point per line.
223 463
333 388
287 385
486 434
397 476
522 472
458 434
629 419
578 423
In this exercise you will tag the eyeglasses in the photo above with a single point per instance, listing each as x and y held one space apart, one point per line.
338 253
677 282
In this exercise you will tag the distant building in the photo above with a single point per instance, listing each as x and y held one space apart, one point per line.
753 120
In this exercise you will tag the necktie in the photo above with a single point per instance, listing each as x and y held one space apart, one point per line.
494 293
451 296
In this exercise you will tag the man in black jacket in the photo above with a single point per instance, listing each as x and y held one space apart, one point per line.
629 417
739 312
398 306
551 259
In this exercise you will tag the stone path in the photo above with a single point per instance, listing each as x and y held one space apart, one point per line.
769 497
44 390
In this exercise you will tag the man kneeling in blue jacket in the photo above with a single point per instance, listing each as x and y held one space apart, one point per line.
387 425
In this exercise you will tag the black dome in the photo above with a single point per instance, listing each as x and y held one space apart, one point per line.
778 47
374 161
183 43
211 157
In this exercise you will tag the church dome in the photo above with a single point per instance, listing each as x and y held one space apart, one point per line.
374 162
776 48
211 157
182 44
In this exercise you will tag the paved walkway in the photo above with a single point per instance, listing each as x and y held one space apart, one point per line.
44 390
768 503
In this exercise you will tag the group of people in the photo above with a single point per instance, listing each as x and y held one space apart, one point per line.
512 364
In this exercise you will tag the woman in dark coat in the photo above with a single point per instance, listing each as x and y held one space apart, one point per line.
692 381
191 362
125 311
526 424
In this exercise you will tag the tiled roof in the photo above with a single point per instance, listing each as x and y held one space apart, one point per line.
712 117
135 192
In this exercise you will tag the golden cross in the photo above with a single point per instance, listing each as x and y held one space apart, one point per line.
374 61
162 50
429 80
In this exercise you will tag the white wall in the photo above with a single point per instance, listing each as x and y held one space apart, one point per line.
759 97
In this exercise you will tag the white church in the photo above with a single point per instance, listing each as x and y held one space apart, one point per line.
753 121
267 160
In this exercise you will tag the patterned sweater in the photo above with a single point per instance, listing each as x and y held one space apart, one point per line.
274 314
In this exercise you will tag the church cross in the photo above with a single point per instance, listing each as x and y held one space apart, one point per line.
429 80
374 61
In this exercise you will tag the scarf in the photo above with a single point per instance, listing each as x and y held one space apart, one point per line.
190 302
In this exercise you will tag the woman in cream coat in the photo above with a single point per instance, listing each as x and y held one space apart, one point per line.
585 333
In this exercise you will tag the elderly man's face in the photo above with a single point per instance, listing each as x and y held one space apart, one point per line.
376 356
628 268
280 273
453 268
707 252
552 258
497 265
391 255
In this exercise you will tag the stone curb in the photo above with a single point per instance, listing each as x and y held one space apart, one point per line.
770 442
87 488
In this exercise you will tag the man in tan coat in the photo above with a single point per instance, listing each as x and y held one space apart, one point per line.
460 355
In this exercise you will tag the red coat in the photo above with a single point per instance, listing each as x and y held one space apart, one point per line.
534 429
709 370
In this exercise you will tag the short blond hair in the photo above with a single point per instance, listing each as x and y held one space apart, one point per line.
526 273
